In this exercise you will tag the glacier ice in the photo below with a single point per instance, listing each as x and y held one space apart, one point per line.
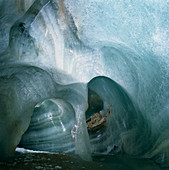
96 56
50 127
19 94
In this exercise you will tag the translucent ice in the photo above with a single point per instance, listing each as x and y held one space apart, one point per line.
98 56
50 127
21 87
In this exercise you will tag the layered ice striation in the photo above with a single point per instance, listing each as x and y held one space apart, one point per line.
50 127
21 87
106 57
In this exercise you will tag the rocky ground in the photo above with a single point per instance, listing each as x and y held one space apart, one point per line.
33 160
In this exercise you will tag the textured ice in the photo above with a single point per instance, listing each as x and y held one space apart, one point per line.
50 127
98 56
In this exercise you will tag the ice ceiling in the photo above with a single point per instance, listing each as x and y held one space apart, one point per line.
61 61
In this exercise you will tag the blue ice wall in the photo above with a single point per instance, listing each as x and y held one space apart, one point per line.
122 43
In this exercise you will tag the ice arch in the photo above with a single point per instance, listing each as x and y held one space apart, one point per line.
54 44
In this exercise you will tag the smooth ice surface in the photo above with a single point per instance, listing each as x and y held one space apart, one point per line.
92 53
50 127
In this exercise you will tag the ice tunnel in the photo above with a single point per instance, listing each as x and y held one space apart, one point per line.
85 77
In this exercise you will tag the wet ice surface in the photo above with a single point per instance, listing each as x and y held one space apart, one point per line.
27 159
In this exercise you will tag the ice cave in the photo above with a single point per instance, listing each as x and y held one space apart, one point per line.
85 77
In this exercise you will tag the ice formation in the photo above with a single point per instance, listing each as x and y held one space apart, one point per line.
89 56
50 127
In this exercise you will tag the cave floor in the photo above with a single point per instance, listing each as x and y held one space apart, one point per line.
45 161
